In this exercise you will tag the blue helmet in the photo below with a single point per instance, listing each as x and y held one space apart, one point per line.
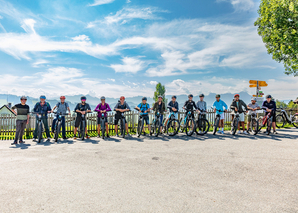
268 96
174 96
144 98
42 97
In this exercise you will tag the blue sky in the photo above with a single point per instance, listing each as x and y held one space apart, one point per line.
124 47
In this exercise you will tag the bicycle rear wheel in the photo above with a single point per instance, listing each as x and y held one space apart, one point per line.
216 124
280 121
269 125
254 125
202 126
235 126
173 127
189 127
295 121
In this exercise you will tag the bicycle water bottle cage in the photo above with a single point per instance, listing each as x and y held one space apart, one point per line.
102 115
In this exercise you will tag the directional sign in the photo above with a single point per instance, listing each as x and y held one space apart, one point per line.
253 82
263 84
253 85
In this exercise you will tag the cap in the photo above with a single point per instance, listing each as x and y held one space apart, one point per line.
160 96
102 98
217 96
144 98
174 96
42 97
253 99
62 97
202 95
83 98
236 95
23 97
268 96
122 98
190 95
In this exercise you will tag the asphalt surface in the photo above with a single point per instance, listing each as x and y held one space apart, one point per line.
221 173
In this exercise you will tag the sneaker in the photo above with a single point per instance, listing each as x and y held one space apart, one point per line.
48 139
65 138
129 135
108 136
239 132
275 132
117 135
222 132
14 143
98 136
75 137
219 131
21 142
200 132
87 136
34 139
245 132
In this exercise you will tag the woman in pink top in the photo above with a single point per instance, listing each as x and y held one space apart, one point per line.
103 107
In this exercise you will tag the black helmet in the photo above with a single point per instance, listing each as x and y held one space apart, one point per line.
202 95
144 98
23 97
268 96
190 95
83 98
174 96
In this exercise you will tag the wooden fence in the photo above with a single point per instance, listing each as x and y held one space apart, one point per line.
8 123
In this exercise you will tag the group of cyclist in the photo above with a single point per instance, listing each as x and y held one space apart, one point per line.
43 108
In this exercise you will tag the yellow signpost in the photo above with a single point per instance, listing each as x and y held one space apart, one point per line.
258 85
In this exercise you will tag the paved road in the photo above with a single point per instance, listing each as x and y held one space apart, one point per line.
180 174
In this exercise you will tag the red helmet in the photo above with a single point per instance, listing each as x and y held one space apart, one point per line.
122 97
62 97
236 95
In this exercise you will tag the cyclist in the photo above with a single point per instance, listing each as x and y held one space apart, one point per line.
42 108
237 106
202 106
144 108
173 107
159 106
62 107
121 107
220 105
253 106
270 106
22 111
81 109
103 107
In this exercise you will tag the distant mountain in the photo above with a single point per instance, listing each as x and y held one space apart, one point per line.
132 101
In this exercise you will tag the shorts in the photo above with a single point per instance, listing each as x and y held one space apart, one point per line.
192 115
78 121
99 120
117 120
249 118
176 115
222 116
273 115
146 118
241 117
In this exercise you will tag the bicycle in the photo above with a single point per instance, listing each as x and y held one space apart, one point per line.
265 120
81 130
235 123
216 121
254 124
39 127
202 124
58 125
189 125
102 125
282 118
172 126
122 125
140 123
155 126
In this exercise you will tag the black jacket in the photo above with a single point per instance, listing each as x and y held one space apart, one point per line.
241 104
156 107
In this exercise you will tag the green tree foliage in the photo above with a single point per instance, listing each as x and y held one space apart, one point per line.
281 104
278 26
292 105
160 90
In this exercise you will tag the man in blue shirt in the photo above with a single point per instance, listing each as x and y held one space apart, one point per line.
219 106
42 108
173 108
144 108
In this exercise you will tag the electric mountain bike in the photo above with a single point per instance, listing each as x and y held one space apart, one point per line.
267 119
216 121
102 125
155 126
83 124
282 118
202 124
235 123
58 125
141 121
39 126
189 125
122 125
254 124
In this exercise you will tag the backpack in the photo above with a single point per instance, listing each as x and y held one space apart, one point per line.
143 105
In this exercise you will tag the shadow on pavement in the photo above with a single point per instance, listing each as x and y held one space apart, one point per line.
20 146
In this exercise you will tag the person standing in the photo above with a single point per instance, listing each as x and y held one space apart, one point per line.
22 111
219 106
121 107
160 107
62 107
42 108
270 107
81 109
237 106
103 107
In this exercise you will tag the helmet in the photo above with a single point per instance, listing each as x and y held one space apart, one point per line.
83 98
42 97
160 96
122 98
253 99
144 98
268 96
202 95
23 97
62 97
217 96
174 96
190 95
102 98
236 95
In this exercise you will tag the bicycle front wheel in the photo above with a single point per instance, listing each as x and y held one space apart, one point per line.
83 130
57 131
39 135
202 126
156 128
140 127
123 128
280 121
254 125
216 124
235 126
295 121
173 127
189 127
269 125
103 128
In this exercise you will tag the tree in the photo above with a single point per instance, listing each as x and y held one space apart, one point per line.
292 105
278 26
281 104
160 90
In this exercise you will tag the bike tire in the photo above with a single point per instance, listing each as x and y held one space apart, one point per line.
156 128
295 120
39 135
202 124
260 121
216 124
254 126
189 127
140 127
280 121
235 126
173 127
123 128
83 130
57 131
103 129
269 125
182 125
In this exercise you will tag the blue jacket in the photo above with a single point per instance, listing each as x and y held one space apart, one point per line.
271 105
175 105
220 105
42 110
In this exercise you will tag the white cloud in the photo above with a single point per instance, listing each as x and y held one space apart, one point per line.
100 2
40 62
1 17
81 38
128 1
67 81
153 82
241 5
130 65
